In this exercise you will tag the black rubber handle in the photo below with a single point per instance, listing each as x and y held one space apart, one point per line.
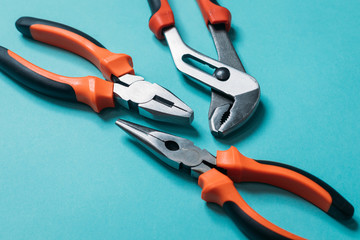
340 208
249 226
215 2
93 91
32 79
23 24
154 6
59 35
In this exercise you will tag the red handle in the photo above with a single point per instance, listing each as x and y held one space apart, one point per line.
73 40
243 169
162 17
93 91
219 189
215 14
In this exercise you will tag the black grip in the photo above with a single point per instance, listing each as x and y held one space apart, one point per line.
33 80
249 226
154 6
23 24
340 208
215 2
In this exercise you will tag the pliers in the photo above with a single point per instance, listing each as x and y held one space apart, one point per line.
131 91
217 174
235 94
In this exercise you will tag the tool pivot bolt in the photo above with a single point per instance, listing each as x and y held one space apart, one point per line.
222 74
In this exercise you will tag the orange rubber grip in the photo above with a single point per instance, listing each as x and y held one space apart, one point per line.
215 14
73 40
243 169
219 189
93 91
162 17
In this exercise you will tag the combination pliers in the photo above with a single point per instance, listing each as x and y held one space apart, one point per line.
131 91
217 174
235 94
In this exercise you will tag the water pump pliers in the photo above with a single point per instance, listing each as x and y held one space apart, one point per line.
235 94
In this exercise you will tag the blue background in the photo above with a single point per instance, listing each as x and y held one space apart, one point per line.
68 173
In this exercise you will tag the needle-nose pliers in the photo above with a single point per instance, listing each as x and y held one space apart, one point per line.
131 91
217 174
235 94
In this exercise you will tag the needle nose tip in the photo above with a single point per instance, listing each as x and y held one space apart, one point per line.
121 123
125 125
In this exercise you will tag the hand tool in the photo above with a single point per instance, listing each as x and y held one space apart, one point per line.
211 172
131 91
235 94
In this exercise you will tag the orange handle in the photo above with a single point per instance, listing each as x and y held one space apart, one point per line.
213 13
219 189
161 17
243 169
73 40
93 91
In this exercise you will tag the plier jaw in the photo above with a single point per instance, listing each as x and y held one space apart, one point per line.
226 115
177 152
151 100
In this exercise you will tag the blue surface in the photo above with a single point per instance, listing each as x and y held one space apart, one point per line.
68 173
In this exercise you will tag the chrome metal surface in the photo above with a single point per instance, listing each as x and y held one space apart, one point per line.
220 105
151 100
227 118
177 152
237 84
226 113
224 47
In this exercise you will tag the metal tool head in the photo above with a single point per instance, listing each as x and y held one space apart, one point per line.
151 100
241 90
225 114
177 152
